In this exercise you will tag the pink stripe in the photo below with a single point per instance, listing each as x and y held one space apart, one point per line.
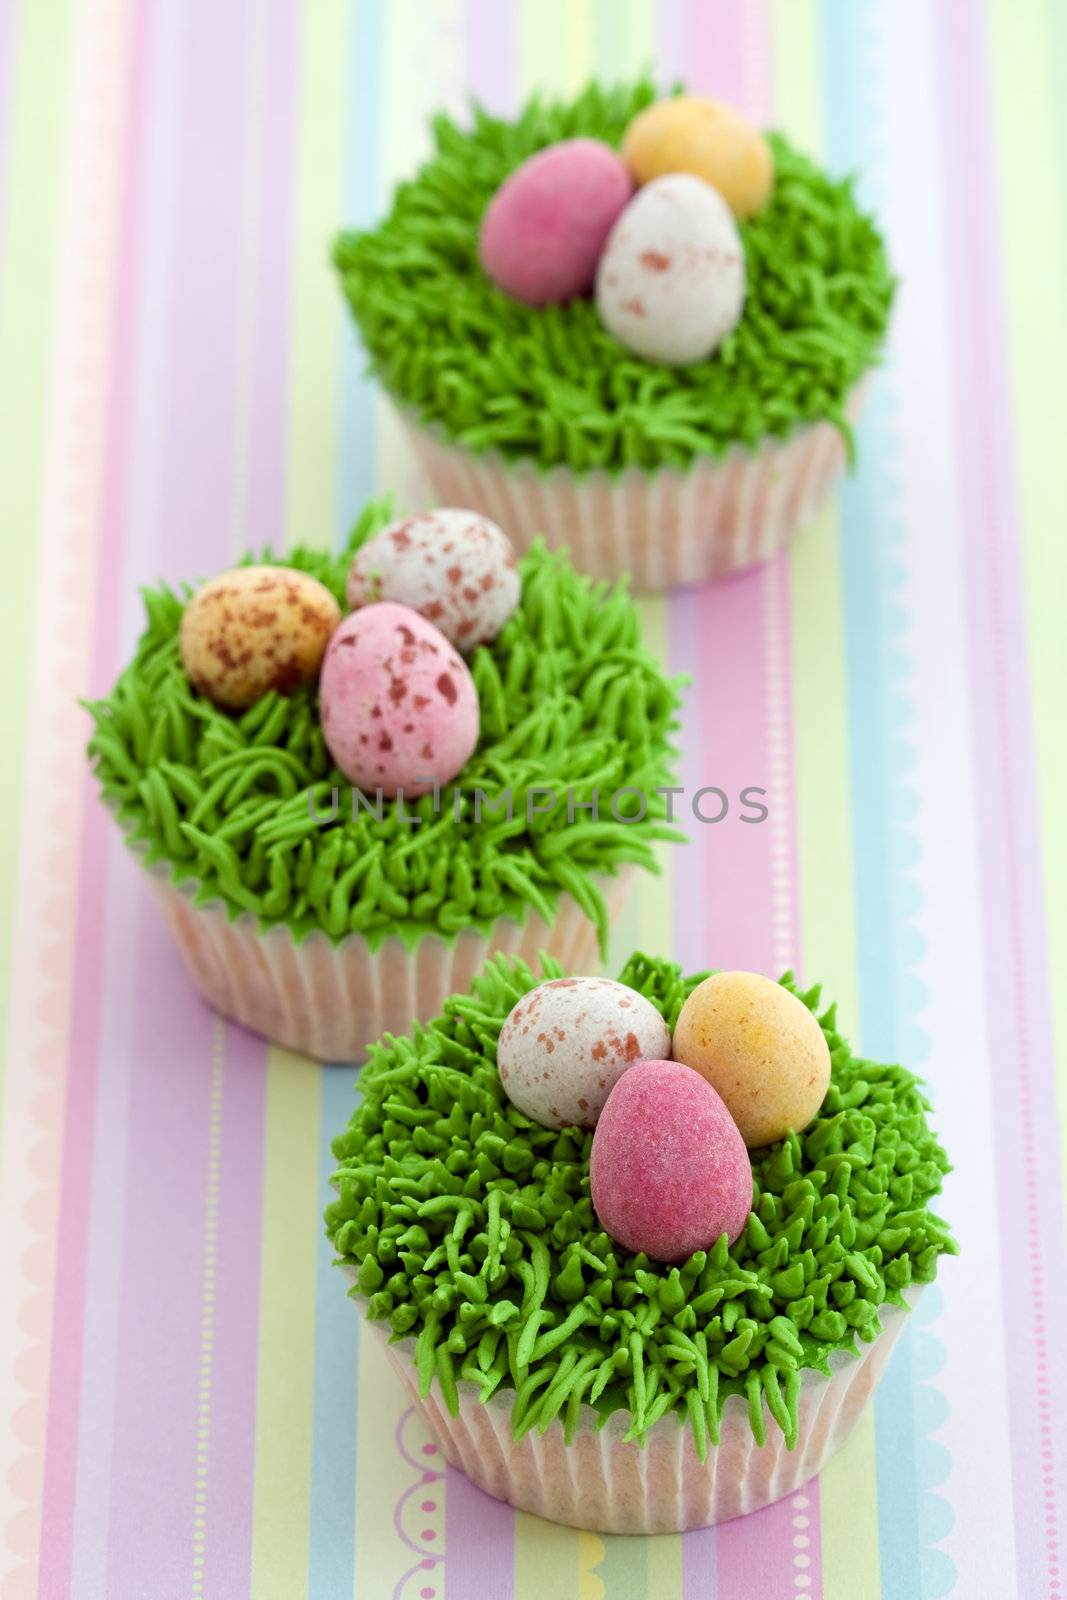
126 542
1016 967
59 1490
480 1532
735 885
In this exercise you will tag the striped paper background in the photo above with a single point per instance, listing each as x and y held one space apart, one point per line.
186 1409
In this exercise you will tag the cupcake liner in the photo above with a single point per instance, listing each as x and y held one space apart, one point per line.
605 1484
664 527
332 1000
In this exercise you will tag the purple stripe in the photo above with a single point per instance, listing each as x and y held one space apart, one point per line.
234 1373
234 1369
492 52
162 1319
195 533
1016 974
154 1447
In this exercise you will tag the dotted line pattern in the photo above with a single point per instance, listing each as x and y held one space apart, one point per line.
207 1304
800 1505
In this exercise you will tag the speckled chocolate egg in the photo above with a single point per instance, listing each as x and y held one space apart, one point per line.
760 1048
544 228
668 1171
399 708
454 567
254 629
568 1041
671 281
690 134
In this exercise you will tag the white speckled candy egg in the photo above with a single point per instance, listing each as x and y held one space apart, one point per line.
398 706
454 567
565 1045
254 629
671 282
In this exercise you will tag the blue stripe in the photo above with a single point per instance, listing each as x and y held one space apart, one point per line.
886 895
332 1538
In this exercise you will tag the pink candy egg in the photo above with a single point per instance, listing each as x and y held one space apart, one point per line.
567 1042
669 1171
544 228
398 706
454 567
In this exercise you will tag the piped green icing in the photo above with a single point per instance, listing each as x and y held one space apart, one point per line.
471 1230
569 700
550 385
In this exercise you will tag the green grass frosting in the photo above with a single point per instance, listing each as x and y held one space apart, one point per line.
471 1230
550 384
568 698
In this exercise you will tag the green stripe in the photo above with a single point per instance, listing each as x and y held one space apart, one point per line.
1028 45
319 323
281 1513
29 233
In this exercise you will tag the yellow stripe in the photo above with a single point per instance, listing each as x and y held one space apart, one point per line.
663 1566
547 1559
554 45
1033 237
384 1475
36 134
848 1494
285 1398
318 315
590 1554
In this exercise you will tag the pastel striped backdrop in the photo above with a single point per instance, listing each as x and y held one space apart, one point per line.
186 1409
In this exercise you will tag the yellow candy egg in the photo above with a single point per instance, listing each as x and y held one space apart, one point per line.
760 1048
255 629
691 134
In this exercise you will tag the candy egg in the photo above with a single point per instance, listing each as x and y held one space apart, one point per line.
455 567
669 1172
671 282
399 708
567 1042
544 228
255 629
691 134
760 1048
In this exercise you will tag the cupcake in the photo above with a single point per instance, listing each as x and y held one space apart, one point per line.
637 328
611 1308
343 816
